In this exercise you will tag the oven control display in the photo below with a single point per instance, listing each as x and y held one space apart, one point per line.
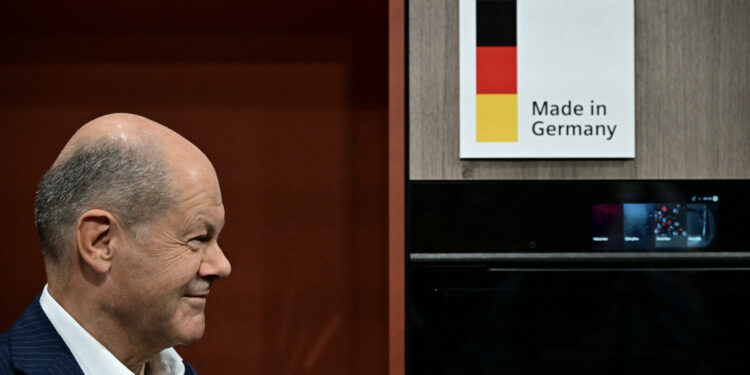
656 226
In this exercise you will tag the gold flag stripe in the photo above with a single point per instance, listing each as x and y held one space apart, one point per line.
497 118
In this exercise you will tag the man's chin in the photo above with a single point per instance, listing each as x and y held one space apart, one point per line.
190 329
190 335
192 340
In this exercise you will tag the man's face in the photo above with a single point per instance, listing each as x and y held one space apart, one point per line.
164 274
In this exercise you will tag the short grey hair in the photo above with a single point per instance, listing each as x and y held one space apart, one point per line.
130 182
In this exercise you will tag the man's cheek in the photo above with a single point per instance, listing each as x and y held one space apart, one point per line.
179 263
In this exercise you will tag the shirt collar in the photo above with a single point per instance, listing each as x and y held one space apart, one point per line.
91 355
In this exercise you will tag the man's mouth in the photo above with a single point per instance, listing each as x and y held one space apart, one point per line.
197 295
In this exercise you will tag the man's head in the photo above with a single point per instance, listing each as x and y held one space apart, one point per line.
128 218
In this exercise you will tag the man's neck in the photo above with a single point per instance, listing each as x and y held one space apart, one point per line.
106 330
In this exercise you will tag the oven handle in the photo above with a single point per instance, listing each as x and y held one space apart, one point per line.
581 257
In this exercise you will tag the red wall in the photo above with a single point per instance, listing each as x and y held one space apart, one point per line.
289 101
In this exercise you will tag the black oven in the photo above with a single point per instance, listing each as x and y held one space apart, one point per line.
586 277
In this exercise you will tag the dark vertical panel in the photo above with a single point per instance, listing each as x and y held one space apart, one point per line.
397 87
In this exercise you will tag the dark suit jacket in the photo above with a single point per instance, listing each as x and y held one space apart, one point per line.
32 346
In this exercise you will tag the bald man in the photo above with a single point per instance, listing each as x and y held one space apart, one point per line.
128 219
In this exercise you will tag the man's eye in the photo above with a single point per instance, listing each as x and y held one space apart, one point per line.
197 241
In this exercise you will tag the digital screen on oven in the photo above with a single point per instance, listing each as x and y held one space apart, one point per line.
690 225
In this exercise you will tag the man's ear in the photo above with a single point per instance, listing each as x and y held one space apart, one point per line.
94 234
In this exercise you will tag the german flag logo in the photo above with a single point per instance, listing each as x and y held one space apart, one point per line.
546 78
496 71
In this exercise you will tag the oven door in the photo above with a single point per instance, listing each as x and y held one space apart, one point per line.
483 319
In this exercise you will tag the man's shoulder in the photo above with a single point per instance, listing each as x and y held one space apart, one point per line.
33 346
5 367
8 338
4 342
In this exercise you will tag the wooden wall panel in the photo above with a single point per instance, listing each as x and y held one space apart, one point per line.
692 97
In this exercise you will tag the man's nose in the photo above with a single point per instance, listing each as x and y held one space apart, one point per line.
215 263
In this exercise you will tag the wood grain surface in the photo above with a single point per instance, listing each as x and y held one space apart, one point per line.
692 97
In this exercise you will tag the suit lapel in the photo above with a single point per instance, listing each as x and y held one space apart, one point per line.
37 348
189 370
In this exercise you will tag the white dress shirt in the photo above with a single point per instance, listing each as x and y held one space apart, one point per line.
91 355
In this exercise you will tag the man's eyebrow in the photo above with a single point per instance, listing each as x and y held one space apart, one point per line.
210 227
215 229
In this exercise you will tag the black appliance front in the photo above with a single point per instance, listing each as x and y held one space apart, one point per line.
586 277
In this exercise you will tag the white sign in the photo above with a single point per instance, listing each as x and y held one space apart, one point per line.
547 79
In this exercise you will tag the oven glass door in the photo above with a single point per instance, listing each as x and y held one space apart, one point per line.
485 320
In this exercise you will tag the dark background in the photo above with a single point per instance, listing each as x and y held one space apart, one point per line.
289 101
